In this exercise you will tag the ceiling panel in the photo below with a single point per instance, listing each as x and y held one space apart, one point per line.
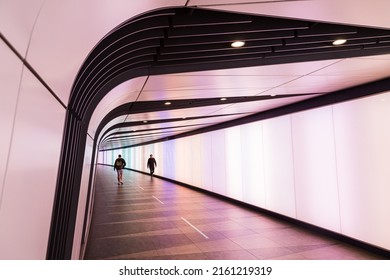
364 13
374 66
123 93
57 38
287 69
259 106
66 31
284 62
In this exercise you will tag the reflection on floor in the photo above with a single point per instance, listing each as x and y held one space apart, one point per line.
149 218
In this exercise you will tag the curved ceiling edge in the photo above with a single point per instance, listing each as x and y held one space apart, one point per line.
186 39
159 105
177 40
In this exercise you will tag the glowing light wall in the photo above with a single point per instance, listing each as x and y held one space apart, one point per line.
328 166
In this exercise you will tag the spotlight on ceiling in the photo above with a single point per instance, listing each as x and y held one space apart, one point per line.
223 99
238 44
167 103
339 42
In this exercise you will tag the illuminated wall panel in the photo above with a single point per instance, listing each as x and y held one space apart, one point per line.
196 161
327 166
317 199
168 159
142 158
126 155
158 153
110 157
133 158
183 160
188 161
362 134
252 162
101 157
218 153
233 163
278 166
206 162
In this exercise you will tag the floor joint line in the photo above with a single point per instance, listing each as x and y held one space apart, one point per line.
195 228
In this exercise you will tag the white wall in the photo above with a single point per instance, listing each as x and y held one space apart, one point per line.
326 166
363 160
32 124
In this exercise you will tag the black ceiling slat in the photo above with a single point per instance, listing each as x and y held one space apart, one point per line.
151 14
141 57
133 124
351 51
134 131
218 47
323 29
384 40
262 24
153 106
380 45
323 46
230 52
131 53
211 39
197 17
142 135
110 44
207 60
312 51
145 28
331 38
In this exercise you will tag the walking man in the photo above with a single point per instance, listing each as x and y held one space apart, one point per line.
119 164
151 164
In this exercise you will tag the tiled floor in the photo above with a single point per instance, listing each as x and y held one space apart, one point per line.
149 218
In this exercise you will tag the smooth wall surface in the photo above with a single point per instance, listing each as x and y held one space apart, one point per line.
326 166
28 193
31 121
10 78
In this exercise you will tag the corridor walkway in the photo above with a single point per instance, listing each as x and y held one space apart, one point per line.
149 218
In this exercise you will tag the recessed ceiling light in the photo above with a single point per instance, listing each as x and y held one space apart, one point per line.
223 99
167 103
238 44
339 42
145 121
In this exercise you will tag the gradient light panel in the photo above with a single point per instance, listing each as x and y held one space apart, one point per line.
326 166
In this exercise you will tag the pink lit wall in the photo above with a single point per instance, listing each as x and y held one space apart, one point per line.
32 121
326 166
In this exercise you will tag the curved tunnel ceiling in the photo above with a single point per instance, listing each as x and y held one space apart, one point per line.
178 40
151 47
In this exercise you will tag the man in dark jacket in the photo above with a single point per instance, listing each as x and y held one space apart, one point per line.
119 164
151 164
